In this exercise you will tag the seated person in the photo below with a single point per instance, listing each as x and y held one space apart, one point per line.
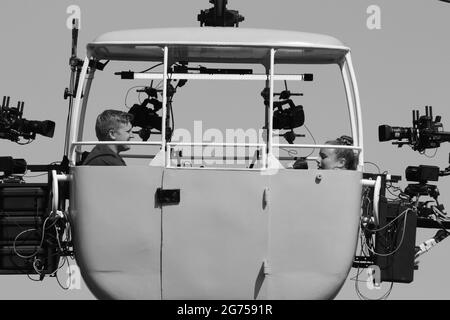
111 125
344 159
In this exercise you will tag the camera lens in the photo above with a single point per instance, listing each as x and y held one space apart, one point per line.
386 133
45 128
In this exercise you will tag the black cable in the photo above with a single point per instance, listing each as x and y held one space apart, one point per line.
375 165
25 143
29 277
128 92
430 157
171 113
57 278
173 121
314 140
355 278
156 65
401 240
357 281
290 152
158 86
395 195
383 297
358 291
390 223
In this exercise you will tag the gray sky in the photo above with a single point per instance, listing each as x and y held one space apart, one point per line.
403 65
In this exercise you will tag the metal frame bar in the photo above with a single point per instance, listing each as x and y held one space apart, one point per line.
87 89
270 128
204 76
260 146
164 107
76 112
357 108
350 101
218 157
313 146
218 169
134 143
349 83
215 144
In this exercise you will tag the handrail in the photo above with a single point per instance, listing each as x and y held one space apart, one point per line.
56 178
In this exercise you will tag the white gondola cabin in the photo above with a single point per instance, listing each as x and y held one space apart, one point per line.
261 230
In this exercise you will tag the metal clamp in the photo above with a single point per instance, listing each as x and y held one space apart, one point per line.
376 184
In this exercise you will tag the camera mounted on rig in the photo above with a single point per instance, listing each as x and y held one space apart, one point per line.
425 133
219 15
13 126
147 117
422 174
9 167
285 119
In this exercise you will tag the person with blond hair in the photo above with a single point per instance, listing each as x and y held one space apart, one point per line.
343 159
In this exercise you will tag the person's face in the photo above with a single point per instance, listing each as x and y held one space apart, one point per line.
329 160
122 133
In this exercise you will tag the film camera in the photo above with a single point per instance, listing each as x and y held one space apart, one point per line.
425 133
392 242
285 118
13 126
146 117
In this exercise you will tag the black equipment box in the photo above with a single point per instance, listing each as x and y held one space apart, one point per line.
24 208
27 230
23 199
395 244
11 263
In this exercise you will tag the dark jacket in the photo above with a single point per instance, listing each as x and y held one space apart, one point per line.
102 155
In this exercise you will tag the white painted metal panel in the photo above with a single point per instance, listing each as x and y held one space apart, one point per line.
314 227
234 234
117 230
220 36
215 240
217 45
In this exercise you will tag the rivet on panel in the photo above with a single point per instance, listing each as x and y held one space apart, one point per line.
265 201
318 178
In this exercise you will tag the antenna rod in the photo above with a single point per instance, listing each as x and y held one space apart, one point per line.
75 24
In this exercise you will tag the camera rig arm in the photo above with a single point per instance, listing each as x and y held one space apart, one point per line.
13 126
392 242
219 15
76 65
